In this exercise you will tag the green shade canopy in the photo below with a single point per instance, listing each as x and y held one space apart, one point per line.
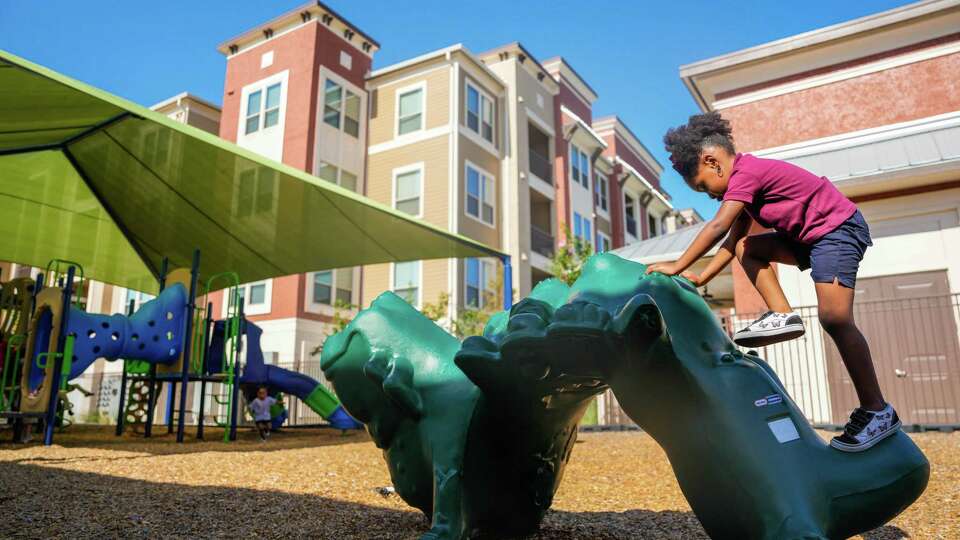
93 178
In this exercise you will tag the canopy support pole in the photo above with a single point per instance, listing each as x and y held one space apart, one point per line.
507 282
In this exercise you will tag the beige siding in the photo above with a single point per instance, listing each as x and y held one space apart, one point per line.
376 279
434 155
433 281
383 102
470 226
603 225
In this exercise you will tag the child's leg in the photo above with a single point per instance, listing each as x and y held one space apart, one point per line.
755 254
836 317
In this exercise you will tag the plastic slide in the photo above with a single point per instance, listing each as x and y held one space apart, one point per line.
276 379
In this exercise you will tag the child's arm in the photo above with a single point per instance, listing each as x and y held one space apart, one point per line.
712 232
725 254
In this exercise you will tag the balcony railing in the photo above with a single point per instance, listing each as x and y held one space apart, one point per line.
540 167
631 225
541 242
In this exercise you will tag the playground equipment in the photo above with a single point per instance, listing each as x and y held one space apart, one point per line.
745 457
477 450
167 340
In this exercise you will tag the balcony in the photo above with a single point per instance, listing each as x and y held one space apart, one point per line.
540 167
541 241
538 152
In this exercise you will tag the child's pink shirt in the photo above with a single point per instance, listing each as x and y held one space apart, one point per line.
787 198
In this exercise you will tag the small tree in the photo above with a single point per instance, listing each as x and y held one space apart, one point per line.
567 261
469 321
342 315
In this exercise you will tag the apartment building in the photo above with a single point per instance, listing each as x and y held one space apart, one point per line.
637 201
437 133
530 226
294 91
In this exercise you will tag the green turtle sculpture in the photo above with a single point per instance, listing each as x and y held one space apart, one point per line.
481 455
483 447
745 457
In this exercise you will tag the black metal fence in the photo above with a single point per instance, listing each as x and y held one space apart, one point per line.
914 342
101 406
915 347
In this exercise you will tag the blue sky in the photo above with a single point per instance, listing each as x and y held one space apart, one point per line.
629 52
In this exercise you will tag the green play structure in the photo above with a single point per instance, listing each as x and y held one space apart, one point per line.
124 193
477 435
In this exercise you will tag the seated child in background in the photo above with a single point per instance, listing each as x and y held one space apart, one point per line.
815 226
260 408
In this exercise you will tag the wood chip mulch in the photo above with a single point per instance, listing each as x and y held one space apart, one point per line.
316 483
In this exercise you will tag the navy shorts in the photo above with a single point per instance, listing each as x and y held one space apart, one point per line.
837 254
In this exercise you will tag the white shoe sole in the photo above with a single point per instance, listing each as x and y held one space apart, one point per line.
762 338
844 447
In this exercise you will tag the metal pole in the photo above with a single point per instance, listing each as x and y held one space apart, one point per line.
171 399
235 390
54 402
152 391
507 283
203 368
187 342
123 384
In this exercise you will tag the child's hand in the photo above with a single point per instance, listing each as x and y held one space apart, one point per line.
667 269
694 278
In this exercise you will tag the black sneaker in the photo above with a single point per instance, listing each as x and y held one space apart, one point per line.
866 428
770 328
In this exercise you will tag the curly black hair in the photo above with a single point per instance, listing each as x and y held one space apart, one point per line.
686 142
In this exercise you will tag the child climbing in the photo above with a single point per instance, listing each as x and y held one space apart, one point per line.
815 226
260 408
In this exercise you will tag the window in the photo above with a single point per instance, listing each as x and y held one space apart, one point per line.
603 242
332 99
270 108
255 296
478 283
652 225
600 195
406 281
629 214
333 286
342 177
407 190
410 111
348 180
341 107
579 166
480 195
257 293
323 287
255 188
328 172
253 112
582 228
479 112
271 113
351 114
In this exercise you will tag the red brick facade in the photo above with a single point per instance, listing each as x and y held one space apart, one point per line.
903 93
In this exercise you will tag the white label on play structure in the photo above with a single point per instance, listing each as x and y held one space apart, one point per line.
784 430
